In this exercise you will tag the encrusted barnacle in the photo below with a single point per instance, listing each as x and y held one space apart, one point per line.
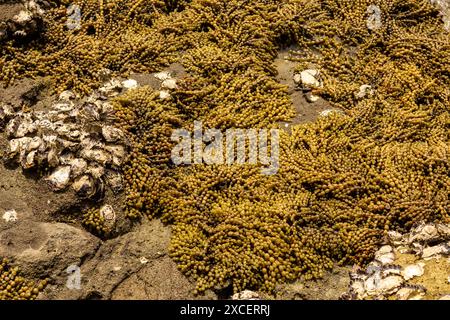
114 180
6 112
100 220
60 178
73 138
85 186
111 134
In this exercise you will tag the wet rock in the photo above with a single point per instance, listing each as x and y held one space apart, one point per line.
116 270
46 249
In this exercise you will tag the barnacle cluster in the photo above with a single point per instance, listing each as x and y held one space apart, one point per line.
25 25
72 140
384 277
15 287
344 180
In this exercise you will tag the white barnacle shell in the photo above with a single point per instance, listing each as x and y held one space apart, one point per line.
66 158
118 154
34 143
90 111
56 116
169 84
25 127
84 186
310 78
23 16
60 178
64 106
78 166
107 108
95 170
67 95
14 146
359 288
164 75
246 295
98 155
111 134
40 114
413 270
328 112
130 84
444 230
67 145
18 145
29 160
395 237
407 293
111 88
424 233
46 125
52 158
164 94
89 143
12 126
69 132
385 255
311 98
364 90
6 111
10 215
108 213
114 180
386 285
50 139
435 251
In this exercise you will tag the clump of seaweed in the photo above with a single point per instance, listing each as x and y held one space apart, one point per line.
344 180
115 35
15 287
